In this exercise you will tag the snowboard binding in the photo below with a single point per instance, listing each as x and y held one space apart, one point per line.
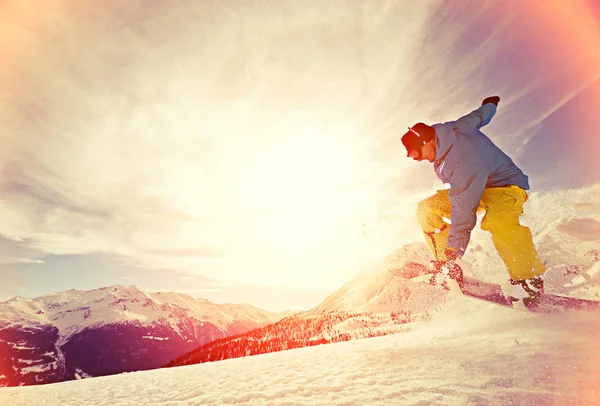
533 287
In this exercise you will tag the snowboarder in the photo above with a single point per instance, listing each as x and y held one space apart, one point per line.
481 178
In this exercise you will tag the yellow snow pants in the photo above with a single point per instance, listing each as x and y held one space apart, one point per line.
503 206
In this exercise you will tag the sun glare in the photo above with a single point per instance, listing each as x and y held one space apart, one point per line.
297 185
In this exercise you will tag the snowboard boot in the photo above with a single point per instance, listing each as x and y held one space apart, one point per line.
444 271
533 287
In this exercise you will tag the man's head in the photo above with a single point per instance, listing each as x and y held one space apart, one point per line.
419 142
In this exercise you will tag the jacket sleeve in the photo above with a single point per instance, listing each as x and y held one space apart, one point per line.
480 117
466 190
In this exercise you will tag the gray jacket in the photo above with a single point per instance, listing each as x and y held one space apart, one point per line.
470 162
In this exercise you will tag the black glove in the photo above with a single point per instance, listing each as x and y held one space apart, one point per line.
491 99
451 254
450 269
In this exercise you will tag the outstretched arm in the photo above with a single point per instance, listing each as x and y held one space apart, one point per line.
483 115
466 188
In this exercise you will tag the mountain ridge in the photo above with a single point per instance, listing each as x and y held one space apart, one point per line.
80 333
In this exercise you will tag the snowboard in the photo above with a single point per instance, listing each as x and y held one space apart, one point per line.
492 292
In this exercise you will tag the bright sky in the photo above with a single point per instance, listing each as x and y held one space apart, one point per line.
495 356
226 150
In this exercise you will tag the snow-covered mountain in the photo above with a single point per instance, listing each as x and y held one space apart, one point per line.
373 304
378 290
76 334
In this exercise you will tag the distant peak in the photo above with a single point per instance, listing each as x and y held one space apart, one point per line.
16 298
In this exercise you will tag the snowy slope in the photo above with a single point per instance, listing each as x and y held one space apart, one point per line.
378 290
372 304
471 352
377 302
566 229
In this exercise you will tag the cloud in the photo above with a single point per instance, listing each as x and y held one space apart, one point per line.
205 253
127 146
586 229
530 130
15 251
586 208
12 260
260 149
